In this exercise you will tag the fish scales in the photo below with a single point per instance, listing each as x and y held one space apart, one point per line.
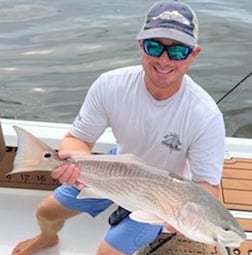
116 179
134 180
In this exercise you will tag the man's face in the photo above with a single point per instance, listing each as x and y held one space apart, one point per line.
163 72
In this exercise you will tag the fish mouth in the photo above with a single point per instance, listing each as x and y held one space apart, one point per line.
231 238
234 243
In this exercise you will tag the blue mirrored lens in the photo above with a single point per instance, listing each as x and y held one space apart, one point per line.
178 52
174 52
153 48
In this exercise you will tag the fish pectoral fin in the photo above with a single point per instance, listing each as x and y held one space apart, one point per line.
169 207
87 192
144 217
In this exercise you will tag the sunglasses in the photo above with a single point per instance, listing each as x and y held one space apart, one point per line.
176 52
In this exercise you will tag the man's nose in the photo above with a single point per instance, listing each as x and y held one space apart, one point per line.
164 57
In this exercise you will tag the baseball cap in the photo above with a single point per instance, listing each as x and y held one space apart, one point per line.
171 19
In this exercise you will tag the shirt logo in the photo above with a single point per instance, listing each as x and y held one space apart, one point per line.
172 141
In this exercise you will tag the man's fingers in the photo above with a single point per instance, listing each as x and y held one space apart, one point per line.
64 155
79 185
75 172
66 173
57 172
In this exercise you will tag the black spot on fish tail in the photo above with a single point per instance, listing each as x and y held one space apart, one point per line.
48 155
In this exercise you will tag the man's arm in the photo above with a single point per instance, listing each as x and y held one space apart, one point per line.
72 143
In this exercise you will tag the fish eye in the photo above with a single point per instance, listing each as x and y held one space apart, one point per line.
47 155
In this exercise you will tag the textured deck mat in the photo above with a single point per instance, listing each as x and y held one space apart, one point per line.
168 244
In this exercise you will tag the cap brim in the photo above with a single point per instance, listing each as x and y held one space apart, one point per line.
168 33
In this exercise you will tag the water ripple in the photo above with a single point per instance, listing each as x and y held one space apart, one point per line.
16 12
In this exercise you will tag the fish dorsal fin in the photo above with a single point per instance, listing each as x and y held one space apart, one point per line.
144 217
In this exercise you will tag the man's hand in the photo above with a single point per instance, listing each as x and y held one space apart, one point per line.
67 173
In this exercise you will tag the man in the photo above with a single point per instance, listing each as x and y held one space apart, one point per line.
156 112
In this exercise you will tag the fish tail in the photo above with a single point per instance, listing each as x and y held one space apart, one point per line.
31 153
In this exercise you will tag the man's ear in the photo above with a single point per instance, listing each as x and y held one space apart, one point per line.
196 51
140 43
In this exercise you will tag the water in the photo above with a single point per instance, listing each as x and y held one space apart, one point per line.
51 52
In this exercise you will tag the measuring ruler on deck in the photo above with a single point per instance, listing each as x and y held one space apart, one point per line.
40 180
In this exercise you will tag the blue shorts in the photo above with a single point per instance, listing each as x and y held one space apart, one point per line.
128 236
